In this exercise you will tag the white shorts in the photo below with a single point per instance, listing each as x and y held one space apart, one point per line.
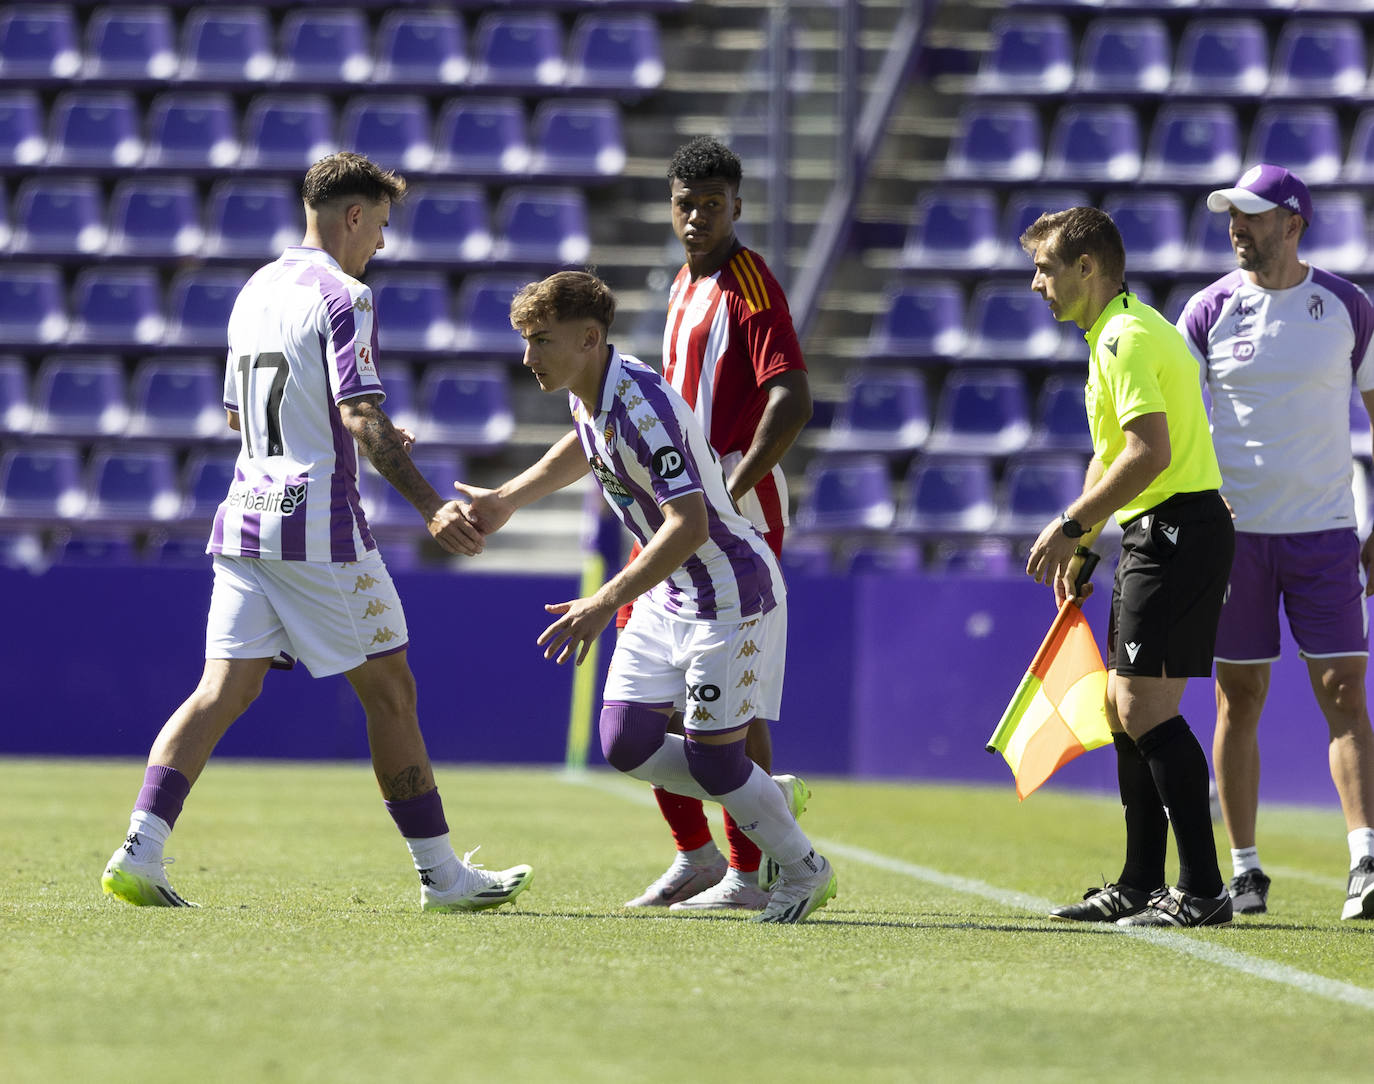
720 674
333 617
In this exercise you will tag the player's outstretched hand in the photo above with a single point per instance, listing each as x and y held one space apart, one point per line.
485 510
450 527
576 631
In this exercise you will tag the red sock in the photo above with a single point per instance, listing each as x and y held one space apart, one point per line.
744 853
685 817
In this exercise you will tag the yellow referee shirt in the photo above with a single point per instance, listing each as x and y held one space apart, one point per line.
1139 364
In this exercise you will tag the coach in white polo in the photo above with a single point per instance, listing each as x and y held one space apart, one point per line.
297 572
1280 343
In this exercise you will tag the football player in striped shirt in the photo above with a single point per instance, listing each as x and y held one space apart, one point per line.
729 349
708 635
297 573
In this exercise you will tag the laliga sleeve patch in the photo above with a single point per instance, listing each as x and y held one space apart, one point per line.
669 463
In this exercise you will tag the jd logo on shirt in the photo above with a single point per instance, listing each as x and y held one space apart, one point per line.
668 463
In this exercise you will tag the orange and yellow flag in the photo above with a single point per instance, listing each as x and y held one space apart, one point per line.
1059 709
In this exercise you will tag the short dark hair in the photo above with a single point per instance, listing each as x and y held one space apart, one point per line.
348 174
567 295
1079 231
703 159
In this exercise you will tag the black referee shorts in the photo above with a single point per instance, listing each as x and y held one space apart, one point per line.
1169 587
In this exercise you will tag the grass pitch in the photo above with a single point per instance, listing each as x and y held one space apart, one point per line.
309 959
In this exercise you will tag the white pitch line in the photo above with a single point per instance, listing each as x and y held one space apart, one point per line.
1175 941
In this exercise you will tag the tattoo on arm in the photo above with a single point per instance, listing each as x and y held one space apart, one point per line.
384 447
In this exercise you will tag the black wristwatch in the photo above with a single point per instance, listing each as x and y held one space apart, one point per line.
1071 527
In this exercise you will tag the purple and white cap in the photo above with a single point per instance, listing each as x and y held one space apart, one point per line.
1262 188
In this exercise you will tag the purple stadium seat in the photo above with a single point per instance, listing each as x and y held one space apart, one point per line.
1193 144
615 54
848 493
1222 56
981 411
541 226
288 132
1303 138
897 556
198 307
16 410
41 482
943 495
95 128
1318 58
386 508
1061 416
137 485
253 218
58 216
448 223
99 548
883 411
1121 55
1152 228
80 397
22 142
155 218
1022 209
1359 162
482 137
577 139
116 307
805 556
466 405
1009 322
1036 488
983 558
1180 294
33 311
398 378
38 41
996 141
130 44
1209 240
426 48
192 130
176 550
1338 238
922 321
1030 54
392 129
323 48
483 314
205 482
522 51
413 312
953 228
229 45
178 399
1094 143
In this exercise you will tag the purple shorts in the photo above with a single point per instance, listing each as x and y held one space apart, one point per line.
1319 577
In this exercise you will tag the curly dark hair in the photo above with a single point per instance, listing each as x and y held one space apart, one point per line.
705 158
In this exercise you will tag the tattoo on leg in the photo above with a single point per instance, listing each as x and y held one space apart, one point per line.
408 783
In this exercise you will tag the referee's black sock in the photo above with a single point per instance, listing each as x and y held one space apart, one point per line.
1179 768
1147 828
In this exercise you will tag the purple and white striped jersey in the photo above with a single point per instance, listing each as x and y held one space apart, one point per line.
302 339
1279 365
646 447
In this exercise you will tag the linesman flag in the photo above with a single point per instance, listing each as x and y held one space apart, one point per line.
1059 709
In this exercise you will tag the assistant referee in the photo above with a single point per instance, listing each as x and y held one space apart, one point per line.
1154 467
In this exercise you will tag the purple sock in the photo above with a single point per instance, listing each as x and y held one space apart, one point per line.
419 818
164 791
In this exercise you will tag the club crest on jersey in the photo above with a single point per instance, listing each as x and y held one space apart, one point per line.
614 487
280 500
608 437
1314 306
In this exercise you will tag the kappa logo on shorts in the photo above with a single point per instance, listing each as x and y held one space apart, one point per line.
701 715
746 679
365 582
383 636
1132 650
376 608
748 651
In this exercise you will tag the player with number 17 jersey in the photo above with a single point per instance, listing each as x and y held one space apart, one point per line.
302 339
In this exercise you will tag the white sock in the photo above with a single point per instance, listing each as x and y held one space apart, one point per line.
802 868
151 832
667 768
703 855
434 858
762 815
1361 842
1246 858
